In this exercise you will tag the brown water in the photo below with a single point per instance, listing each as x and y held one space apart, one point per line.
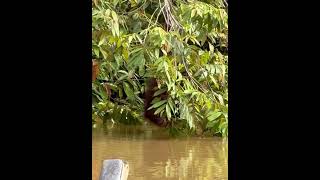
152 155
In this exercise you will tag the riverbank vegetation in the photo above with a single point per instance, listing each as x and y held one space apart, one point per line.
183 44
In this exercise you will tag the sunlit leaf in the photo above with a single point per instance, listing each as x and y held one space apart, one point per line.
168 111
157 53
214 115
171 105
96 51
193 12
114 16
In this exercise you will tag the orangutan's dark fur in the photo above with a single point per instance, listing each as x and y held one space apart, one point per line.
151 88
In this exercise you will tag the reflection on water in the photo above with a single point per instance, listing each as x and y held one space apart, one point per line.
154 156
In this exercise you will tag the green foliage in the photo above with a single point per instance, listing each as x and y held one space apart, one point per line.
183 44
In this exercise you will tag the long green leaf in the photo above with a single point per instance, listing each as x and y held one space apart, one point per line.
128 90
160 109
160 91
157 104
214 115
171 105
168 111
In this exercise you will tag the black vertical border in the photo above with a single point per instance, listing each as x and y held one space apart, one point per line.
46 78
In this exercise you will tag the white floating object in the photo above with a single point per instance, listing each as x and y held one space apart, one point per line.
114 169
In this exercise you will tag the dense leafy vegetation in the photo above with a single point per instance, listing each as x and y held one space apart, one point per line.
181 43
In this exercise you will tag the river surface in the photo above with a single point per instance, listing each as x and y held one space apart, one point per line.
152 155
